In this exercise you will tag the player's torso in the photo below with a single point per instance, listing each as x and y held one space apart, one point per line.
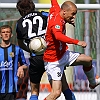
55 48
7 57
8 67
32 25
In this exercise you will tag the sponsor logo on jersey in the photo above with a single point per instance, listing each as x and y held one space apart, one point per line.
6 65
57 27
11 54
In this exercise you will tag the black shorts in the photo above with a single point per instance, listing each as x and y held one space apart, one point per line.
8 96
36 68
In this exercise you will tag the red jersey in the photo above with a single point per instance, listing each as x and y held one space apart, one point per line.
55 35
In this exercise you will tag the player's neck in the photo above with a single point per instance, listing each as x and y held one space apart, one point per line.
5 44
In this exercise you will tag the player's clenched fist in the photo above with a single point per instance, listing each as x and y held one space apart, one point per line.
82 43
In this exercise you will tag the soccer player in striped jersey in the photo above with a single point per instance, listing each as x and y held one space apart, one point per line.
10 56
57 55
33 24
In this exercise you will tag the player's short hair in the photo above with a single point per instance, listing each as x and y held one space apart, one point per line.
5 26
25 6
67 5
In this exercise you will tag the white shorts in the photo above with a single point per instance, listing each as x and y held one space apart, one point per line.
55 69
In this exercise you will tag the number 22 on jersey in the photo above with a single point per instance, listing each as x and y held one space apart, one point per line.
31 23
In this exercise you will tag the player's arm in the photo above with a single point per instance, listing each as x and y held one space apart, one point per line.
64 38
59 36
54 3
22 64
22 45
20 71
54 6
57 31
20 39
21 58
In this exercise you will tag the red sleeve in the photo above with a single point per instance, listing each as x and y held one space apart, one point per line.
60 36
54 3
55 6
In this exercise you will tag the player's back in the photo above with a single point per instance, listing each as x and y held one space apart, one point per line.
32 25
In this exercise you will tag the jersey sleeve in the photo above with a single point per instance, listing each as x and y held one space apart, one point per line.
54 6
54 3
22 59
57 31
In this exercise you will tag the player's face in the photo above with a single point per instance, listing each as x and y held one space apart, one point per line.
6 34
70 16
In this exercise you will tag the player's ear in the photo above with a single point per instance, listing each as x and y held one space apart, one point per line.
64 12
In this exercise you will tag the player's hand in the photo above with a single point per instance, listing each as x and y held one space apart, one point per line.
20 72
72 21
82 43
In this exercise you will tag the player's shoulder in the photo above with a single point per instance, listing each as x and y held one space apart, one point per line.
15 46
19 19
27 16
55 19
33 14
19 22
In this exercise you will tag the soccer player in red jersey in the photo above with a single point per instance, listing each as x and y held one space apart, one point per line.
33 24
57 55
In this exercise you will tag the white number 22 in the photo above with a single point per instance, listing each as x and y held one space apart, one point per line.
30 24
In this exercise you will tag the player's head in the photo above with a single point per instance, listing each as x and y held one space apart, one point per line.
25 6
5 32
68 12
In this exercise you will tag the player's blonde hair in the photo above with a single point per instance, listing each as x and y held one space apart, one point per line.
5 26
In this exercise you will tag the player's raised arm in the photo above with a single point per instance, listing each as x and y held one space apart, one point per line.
54 5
